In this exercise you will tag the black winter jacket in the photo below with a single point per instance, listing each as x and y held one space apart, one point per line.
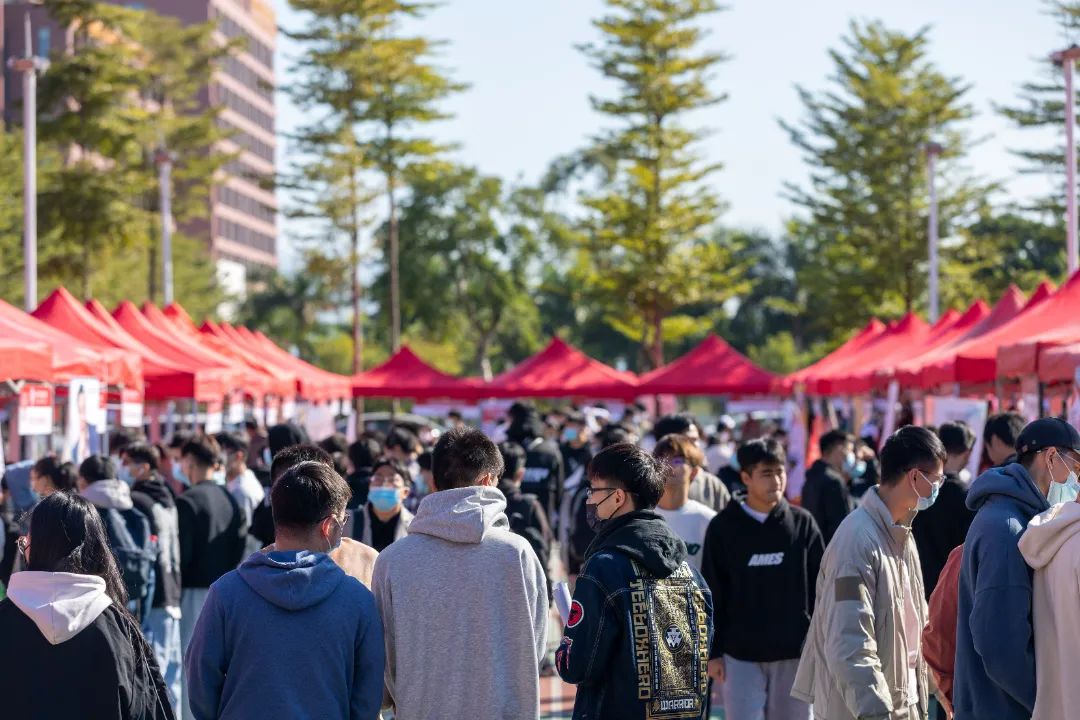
827 497
940 529
637 640
544 474
155 500
212 534
97 674
763 578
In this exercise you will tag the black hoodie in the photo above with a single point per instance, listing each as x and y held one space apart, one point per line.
637 640
155 500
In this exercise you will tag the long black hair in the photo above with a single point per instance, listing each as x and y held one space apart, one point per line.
67 535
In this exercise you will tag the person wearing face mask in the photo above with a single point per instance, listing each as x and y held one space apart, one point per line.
422 485
49 475
705 488
383 519
688 518
863 656
944 526
826 493
995 674
212 536
636 641
575 442
288 633
241 482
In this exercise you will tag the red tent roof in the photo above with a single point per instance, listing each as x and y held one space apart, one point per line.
560 370
25 360
285 378
950 326
73 357
939 366
861 339
164 378
854 372
1022 357
1058 364
405 375
313 383
711 368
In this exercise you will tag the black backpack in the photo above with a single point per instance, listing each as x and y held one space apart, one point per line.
135 548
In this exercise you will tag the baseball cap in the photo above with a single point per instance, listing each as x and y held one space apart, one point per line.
1046 433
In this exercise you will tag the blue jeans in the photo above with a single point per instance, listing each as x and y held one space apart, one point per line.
162 631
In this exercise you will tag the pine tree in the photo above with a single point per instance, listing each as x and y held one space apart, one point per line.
648 250
863 227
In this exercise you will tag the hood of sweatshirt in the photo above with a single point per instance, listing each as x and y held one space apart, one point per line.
156 490
1011 481
61 604
1048 532
115 494
461 515
645 538
292 580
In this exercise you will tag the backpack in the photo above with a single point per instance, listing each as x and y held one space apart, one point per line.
135 548
525 522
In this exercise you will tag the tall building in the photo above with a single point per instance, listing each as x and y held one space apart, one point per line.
241 225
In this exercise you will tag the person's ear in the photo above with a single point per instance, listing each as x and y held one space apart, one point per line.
694 472
745 477
489 480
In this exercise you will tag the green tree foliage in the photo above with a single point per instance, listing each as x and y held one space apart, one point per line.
647 251
863 227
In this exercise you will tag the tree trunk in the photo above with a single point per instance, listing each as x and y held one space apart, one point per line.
658 340
395 280
354 272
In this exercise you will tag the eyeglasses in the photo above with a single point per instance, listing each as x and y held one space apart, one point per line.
382 481
590 491
676 461
937 480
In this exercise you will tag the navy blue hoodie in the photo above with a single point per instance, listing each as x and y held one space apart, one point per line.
287 635
995 652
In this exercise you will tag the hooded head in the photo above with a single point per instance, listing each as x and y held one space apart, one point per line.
1012 482
308 503
291 580
98 484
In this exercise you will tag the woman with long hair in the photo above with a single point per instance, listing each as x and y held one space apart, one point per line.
65 617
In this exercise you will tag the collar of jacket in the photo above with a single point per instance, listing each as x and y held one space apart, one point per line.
878 511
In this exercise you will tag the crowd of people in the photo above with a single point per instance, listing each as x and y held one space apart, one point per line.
255 574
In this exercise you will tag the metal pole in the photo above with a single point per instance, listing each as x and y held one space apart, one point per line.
932 151
29 73
1070 164
164 161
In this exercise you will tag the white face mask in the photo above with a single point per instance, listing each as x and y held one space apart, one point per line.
1062 492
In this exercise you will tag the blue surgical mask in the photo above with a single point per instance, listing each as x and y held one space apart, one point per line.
924 503
218 476
384 499
123 473
1063 492
179 475
569 434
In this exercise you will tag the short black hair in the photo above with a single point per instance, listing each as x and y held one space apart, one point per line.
62 475
454 415
763 451
285 435
296 454
179 439
140 453
424 460
833 438
232 442
613 435
335 443
1006 427
394 465
638 472
203 450
677 424
364 452
513 456
957 437
97 468
306 494
907 448
463 456
404 438
120 438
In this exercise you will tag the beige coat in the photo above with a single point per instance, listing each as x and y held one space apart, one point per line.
1051 545
854 664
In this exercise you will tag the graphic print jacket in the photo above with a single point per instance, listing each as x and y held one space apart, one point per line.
637 640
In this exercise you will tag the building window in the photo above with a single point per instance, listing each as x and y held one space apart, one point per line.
248 78
245 204
232 29
234 102
245 236
246 141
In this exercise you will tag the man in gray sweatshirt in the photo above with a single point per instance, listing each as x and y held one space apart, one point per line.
463 600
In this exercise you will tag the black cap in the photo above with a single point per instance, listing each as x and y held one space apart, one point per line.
1046 433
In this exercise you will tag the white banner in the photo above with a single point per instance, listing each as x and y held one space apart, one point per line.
236 408
288 409
81 436
131 409
940 410
35 410
890 413
214 418
795 424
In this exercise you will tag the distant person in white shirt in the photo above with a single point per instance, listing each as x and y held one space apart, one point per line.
688 518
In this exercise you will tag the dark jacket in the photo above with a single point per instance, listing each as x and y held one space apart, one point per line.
155 500
763 578
103 676
544 474
579 534
941 528
827 497
212 534
360 483
995 645
528 519
573 457
637 640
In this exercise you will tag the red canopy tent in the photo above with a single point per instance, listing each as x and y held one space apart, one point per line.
560 370
861 339
25 360
315 383
164 378
287 379
72 357
405 375
711 368
910 373
852 374
1022 357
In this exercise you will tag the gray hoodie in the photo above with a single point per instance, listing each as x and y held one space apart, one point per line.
464 609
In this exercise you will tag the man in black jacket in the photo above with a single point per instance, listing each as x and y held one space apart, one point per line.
944 525
636 641
362 456
161 625
761 561
1000 435
212 533
526 515
544 474
826 494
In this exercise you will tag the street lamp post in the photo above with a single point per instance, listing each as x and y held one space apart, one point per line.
29 66
1067 59
164 162
933 150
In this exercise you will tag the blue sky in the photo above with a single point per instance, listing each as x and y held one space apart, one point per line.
528 100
